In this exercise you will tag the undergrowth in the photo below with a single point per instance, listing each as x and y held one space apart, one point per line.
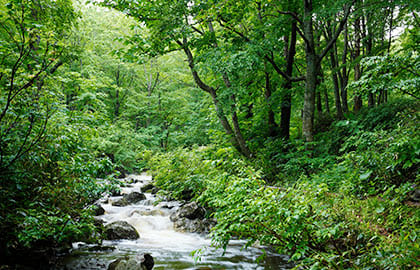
349 203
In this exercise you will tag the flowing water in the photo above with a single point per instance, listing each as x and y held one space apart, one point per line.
170 249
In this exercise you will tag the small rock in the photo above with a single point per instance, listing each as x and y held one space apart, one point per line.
147 188
415 195
144 262
131 198
99 210
147 262
120 230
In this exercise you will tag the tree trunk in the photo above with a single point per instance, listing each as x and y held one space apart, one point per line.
243 148
344 78
357 72
371 100
272 126
117 104
327 102
286 104
239 137
337 98
311 73
223 120
318 102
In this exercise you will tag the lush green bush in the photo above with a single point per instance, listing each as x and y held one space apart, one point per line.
183 173
380 150
43 203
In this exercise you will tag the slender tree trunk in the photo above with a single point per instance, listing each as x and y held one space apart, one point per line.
223 120
286 104
357 72
239 137
318 102
117 94
272 126
311 73
117 104
337 98
371 100
327 102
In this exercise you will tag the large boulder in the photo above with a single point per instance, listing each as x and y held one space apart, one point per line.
194 226
131 198
144 262
191 211
120 230
190 218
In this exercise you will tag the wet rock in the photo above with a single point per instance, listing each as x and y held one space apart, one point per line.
168 205
190 218
144 262
103 200
98 209
194 226
98 222
154 190
131 198
120 230
415 195
191 211
147 262
148 187
100 248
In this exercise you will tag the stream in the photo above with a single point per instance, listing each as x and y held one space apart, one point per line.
170 249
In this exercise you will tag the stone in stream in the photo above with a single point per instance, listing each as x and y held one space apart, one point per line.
120 230
131 198
99 210
148 187
144 262
190 218
191 211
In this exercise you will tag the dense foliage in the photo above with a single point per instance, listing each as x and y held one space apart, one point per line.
349 208
295 123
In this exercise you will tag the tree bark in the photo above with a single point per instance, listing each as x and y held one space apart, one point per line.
337 98
344 78
311 73
272 126
357 72
327 102
318 102
286 104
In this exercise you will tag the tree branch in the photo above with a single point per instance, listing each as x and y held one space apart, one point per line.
337 33
190 59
